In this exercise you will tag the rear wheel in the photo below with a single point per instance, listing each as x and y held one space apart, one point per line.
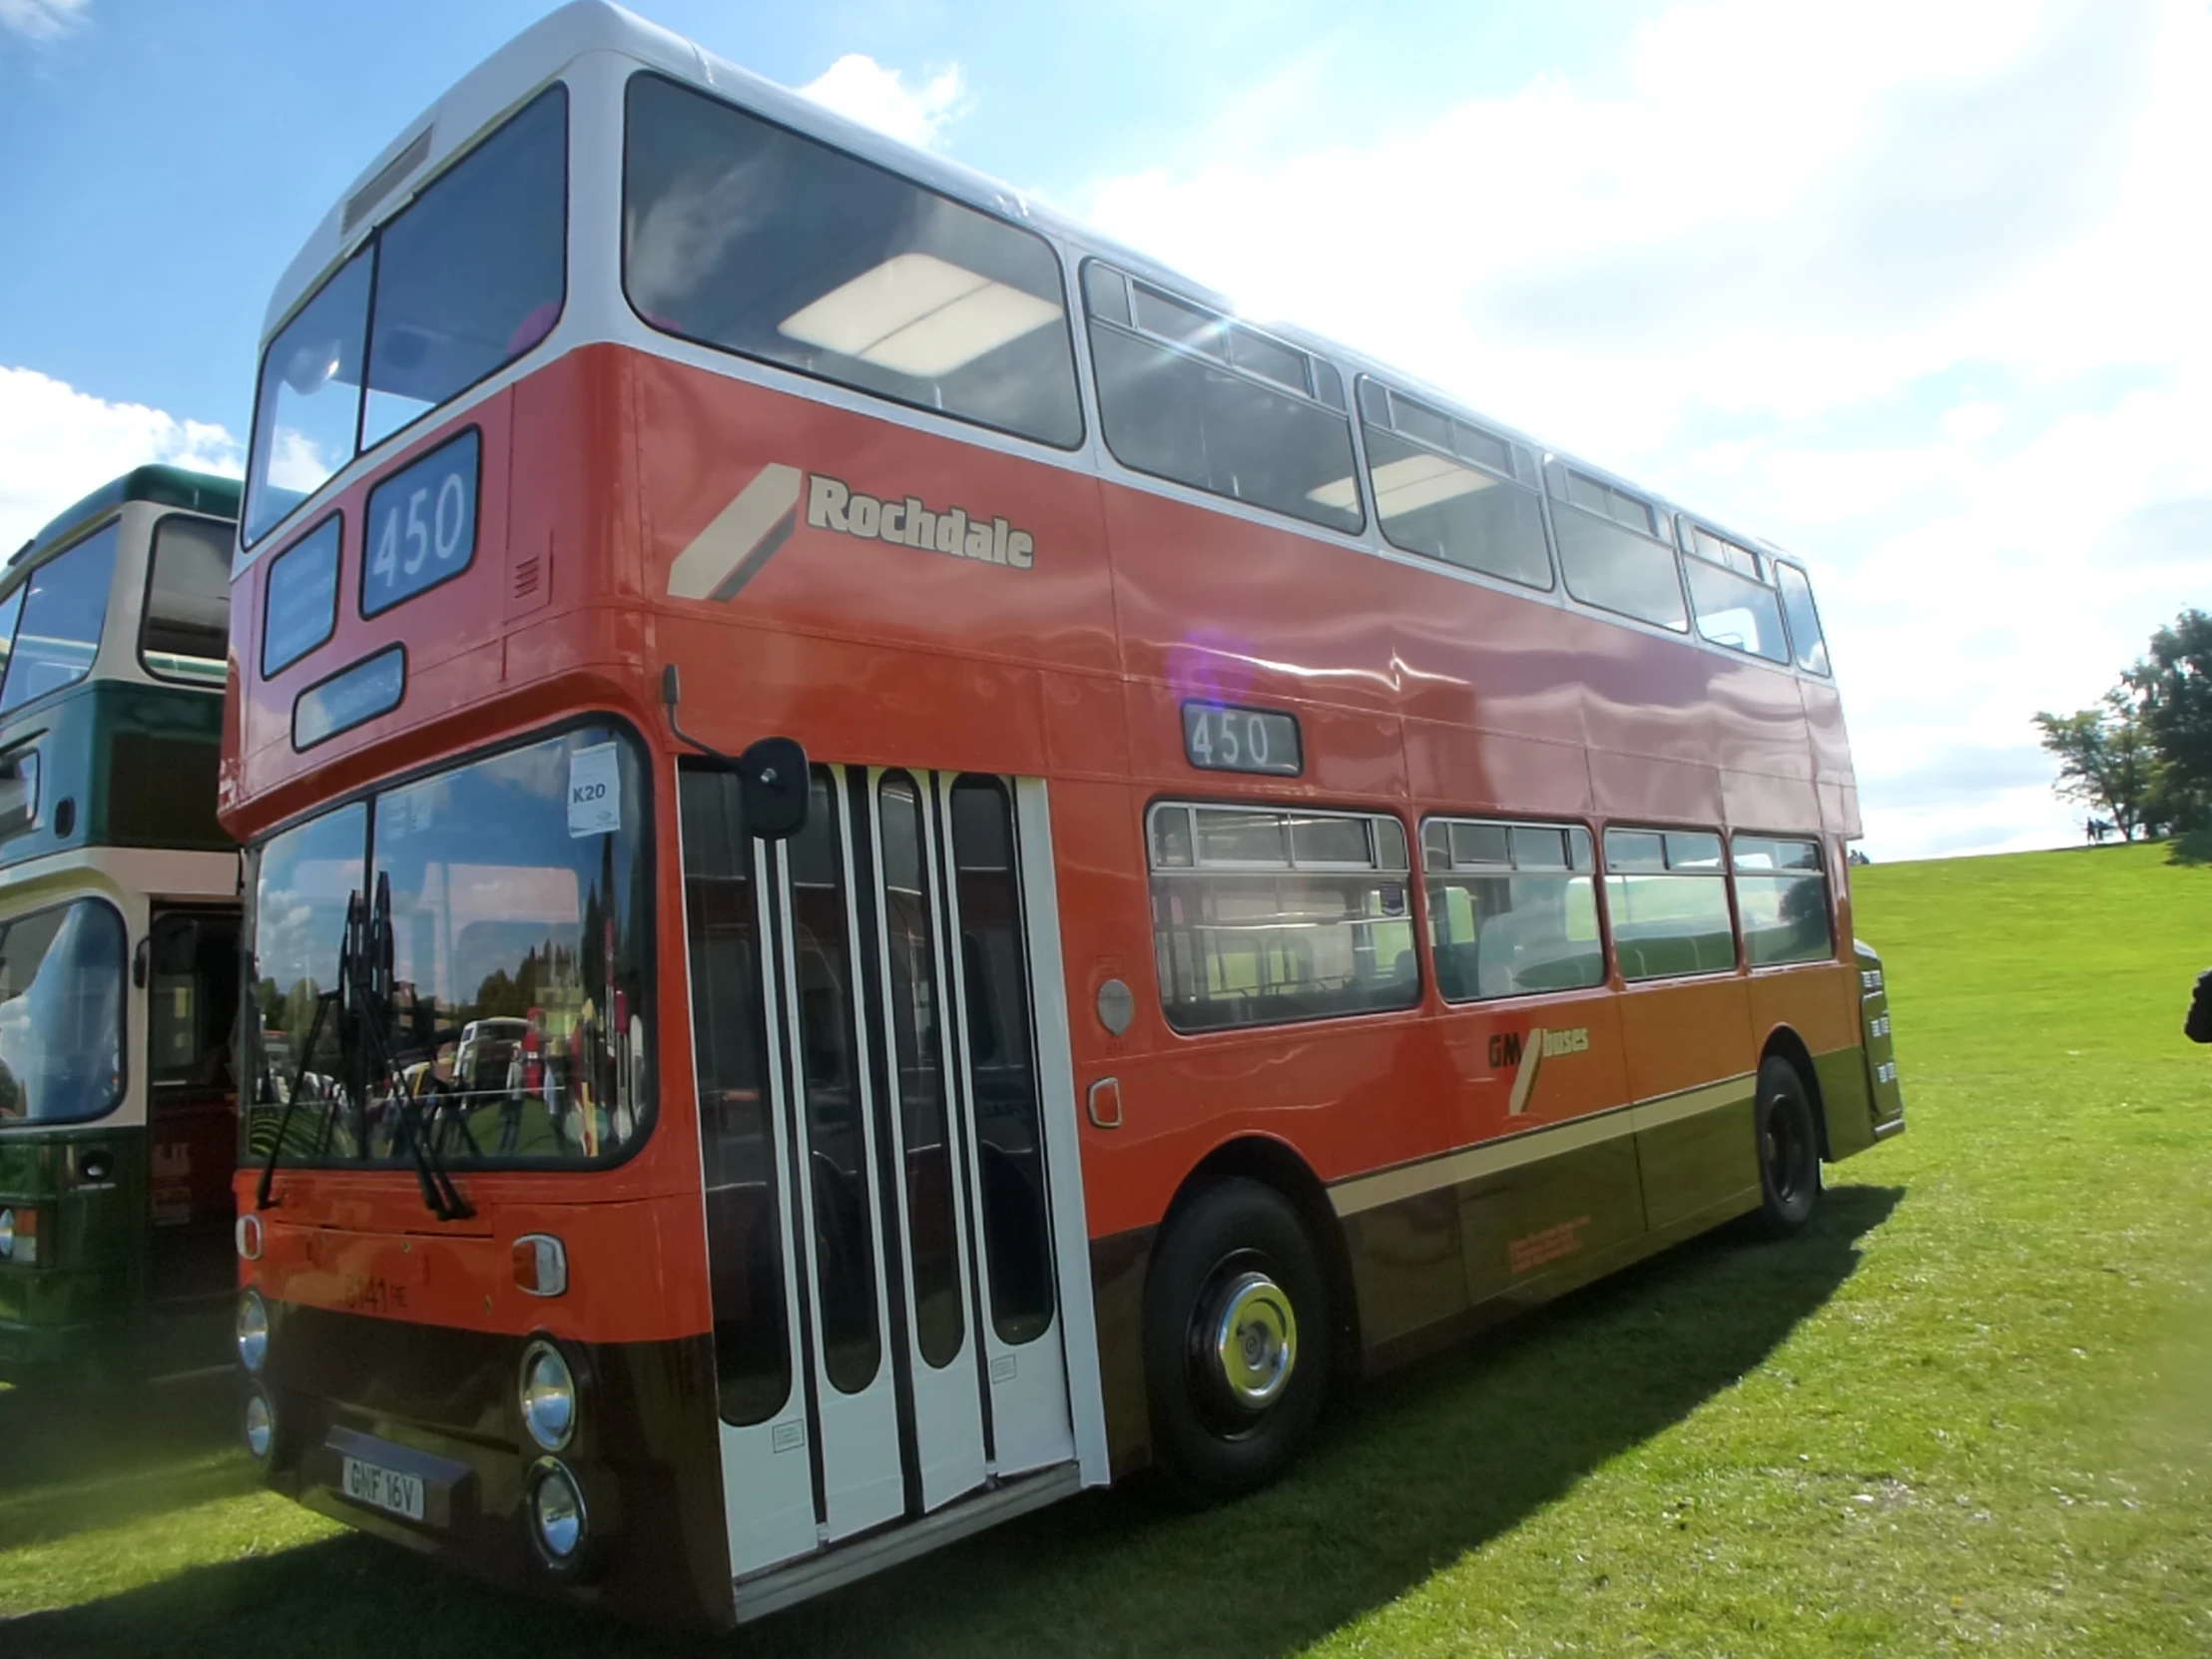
1236 1340
1789 1149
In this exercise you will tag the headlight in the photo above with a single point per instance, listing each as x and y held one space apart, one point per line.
253 1331
557 1512
7 1235
260 1424
548 1395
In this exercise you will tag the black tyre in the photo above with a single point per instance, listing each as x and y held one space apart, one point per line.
1789 1150
1236 1340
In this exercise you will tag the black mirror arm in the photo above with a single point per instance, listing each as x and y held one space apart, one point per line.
671 691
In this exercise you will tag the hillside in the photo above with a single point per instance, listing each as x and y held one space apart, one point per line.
1967 1411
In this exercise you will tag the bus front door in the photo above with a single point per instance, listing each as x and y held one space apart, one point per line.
888 1336
191 963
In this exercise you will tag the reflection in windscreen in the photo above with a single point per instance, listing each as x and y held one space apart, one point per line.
61 1013
517 961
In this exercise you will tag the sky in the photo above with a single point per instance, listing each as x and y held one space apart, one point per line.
1916 289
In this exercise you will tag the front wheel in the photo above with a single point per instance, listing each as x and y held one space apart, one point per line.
1789 1150
1236 1340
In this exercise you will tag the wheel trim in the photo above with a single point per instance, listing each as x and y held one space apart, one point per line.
1249 1340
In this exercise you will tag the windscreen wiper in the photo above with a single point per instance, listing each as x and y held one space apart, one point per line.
325 1003
373 987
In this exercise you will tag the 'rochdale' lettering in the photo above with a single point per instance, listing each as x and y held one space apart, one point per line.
834 505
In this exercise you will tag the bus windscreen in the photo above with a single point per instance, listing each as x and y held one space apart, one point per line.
467 278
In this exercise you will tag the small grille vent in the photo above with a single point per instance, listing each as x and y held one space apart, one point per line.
364 201
526 576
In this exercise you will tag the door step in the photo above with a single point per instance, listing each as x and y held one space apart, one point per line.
774 1588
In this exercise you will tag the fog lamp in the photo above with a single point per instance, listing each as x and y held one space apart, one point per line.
548 1395
557 1512
253 1331
260 1424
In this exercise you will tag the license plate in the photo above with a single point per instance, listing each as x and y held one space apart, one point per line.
381 1488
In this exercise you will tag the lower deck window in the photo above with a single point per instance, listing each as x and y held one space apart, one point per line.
1513 908
1782 896
1264 917
1666 893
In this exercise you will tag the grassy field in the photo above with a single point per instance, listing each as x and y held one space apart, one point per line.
1969 1411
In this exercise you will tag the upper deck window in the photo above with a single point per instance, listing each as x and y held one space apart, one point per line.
1610 551
1805 619
58 632
1185 395
469 277
1452 490
184 630
746 236
1734 606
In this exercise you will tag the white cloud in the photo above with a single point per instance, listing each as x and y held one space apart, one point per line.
42 19
58 444
862 90
1906 288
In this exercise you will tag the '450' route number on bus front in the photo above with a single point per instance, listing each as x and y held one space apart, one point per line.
421 525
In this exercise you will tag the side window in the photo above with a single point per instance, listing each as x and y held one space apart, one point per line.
1452 490
1262 916
1187 394
18 789
1666 894
1610 551
1513 908
1734 607
184 632
746 237
65 602
1782 895
1804 620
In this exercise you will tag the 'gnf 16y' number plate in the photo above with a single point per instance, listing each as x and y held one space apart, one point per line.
381 1488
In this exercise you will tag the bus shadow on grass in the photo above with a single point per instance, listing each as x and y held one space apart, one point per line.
75 1461
1421 1468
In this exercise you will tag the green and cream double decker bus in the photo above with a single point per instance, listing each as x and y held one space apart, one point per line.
119 937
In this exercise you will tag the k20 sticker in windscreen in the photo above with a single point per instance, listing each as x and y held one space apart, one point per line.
760 518
594 791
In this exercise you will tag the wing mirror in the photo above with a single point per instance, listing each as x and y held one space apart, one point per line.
774 782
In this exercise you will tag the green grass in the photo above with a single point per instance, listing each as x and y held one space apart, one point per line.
1967 1411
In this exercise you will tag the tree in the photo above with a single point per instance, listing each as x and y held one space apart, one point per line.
2106 758
2174 688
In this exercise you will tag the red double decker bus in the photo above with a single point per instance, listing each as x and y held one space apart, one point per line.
897 866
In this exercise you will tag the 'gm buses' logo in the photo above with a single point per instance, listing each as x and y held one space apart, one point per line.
744 535
1528 1054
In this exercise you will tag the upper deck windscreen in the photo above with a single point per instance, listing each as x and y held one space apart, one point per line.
467 278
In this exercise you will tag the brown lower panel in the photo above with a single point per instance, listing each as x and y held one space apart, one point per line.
645 1452
1847 1101
1535 1288
1118 1263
